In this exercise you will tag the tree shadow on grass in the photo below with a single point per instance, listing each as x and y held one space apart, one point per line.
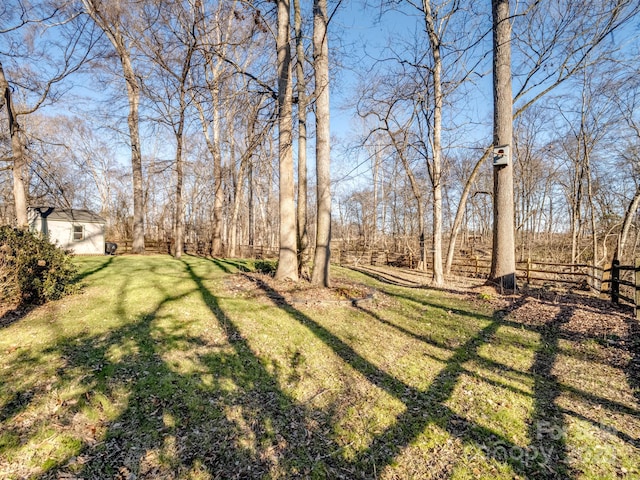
232 266
15 314
428 407
387 277
394 278
142 415
157 432
551 332
123 371
87 273
227 417
547 428
632 369
292 433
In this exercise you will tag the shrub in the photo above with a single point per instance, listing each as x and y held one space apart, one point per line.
267 267
33 270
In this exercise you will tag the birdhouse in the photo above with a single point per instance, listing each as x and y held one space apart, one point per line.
501 155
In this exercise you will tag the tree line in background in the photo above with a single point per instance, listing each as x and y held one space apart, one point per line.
188 121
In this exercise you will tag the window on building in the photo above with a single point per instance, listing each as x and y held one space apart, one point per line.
78 233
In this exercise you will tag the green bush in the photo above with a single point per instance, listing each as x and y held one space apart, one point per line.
268 267
33 270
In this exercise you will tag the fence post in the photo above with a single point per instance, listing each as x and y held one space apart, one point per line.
615 281
477 267
529 271
637 302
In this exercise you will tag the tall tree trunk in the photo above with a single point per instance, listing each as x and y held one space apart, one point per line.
287 259
212 139
218 196
179 133
436 167
302 233
19 176
246 159
322 256
626 224
576 205
133 121
112 29
179 220
251 234
179 224
212 73
235 179
503 261
376 166
237 202
19 159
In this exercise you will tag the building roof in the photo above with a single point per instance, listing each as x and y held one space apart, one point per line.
68 214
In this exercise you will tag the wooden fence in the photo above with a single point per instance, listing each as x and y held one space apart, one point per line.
621 283
197 248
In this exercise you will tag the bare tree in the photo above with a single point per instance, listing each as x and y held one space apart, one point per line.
320 275
503 261
93 155
19 160
215 33
115 20
628 102
434 33
552 47
44 44
255 131
287 259
170 46
428 74
534 176
301 214
462 203
554 42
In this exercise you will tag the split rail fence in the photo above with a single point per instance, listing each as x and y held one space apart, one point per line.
197 248
621 283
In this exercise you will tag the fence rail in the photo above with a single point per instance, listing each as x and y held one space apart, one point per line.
198 248
619 282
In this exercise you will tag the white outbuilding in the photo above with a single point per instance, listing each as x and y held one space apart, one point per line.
80 231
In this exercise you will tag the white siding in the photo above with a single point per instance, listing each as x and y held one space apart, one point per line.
61 233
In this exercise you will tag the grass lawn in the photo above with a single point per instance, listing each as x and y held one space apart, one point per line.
164 368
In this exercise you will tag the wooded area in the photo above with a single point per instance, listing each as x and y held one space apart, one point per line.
189 122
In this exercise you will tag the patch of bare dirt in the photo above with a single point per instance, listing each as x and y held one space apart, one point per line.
596 328
255 285
577 315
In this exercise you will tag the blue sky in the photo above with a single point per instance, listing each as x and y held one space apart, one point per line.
359 37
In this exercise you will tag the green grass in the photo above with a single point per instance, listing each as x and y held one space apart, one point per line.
164 368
